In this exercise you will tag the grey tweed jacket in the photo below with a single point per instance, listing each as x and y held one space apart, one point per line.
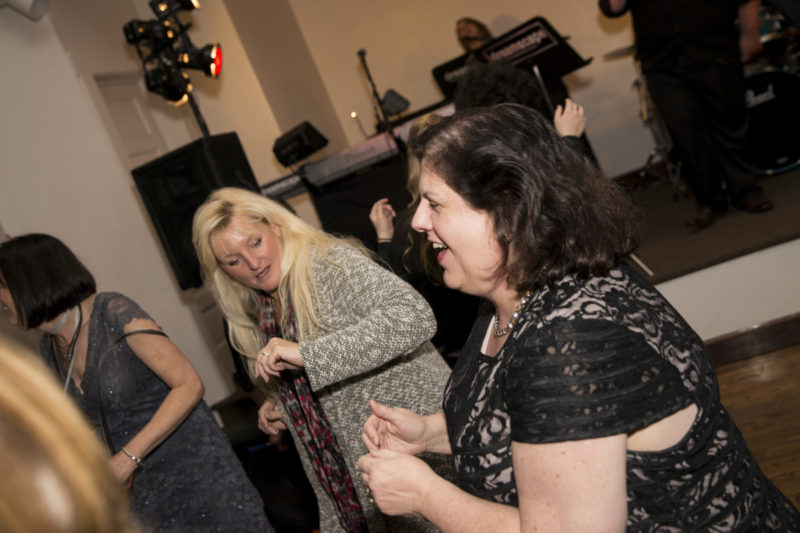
375 346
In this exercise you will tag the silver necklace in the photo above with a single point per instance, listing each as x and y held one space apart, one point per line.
514 317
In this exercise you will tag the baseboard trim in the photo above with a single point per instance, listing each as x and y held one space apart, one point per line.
756 340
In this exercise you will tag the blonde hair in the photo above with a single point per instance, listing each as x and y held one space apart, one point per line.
239 303
55 471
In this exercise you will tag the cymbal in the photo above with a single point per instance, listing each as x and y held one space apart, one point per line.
620 52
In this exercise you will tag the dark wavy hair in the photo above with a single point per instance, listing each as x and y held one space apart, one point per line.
43 276
498 82
554 212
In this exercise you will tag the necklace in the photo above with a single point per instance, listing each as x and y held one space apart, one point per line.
60 323
514 317
69 353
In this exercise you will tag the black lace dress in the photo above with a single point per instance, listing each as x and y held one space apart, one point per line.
599 357
192 482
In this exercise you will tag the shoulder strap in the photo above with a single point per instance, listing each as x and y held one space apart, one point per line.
103 423
137 332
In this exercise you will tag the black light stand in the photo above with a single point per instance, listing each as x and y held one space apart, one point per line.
380 111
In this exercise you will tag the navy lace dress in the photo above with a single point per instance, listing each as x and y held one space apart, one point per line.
192 482
599 357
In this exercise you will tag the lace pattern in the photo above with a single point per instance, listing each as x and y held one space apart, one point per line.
598 357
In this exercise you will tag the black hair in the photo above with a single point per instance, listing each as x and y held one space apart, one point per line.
43 277
498 82
550 206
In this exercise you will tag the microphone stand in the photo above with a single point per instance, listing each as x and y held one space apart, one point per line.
381 116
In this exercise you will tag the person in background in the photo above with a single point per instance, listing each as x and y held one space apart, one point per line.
407 254
500 82
472 34
691 54
55 471
325 328
139 391
582 400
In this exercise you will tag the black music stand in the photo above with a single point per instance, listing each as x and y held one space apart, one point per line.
534 43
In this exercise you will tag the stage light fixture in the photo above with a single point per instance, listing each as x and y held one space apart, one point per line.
165 49
164 8
153 34
208 59
33 9
135 31
172 85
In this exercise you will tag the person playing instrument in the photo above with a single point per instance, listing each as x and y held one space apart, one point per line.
691 54
326 328
139 391
500 82
582 401
472 33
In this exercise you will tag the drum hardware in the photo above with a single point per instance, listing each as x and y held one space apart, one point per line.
663 141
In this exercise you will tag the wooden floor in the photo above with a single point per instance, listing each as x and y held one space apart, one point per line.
762 394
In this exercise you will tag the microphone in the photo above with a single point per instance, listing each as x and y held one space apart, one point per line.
362 53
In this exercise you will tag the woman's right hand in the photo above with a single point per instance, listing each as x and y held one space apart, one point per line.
382 217
394 428
569 119
269 418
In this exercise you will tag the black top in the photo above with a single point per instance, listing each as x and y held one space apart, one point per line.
676 34
192 481
599 357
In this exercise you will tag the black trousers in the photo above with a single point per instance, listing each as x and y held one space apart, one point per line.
705 112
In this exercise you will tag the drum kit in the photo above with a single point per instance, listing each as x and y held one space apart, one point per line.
772 93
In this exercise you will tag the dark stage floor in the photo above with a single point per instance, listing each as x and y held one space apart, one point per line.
670 249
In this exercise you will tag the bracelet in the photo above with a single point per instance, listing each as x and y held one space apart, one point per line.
384 240
133 458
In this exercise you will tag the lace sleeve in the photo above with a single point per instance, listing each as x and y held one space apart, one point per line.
579 379
120 310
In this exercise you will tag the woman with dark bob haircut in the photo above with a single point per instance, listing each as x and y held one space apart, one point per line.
582 401
138 390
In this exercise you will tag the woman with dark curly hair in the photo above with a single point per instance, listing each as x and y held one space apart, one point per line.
582 401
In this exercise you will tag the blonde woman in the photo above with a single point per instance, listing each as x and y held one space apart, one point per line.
327 329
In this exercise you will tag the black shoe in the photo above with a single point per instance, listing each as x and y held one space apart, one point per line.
706 214
753 202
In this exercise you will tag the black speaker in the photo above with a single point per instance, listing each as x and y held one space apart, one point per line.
298 143
174 185
343 205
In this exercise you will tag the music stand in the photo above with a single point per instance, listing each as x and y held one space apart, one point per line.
534 43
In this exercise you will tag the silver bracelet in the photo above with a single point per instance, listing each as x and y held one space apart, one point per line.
133 458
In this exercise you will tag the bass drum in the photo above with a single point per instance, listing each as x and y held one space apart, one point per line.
773 102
